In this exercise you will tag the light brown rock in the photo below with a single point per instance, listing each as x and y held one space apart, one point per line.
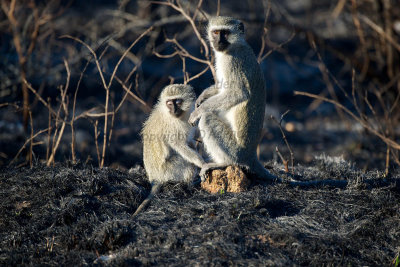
232 179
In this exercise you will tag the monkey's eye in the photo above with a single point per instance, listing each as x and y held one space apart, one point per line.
170 103
216 32
178 102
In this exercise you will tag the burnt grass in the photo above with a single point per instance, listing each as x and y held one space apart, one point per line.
79 215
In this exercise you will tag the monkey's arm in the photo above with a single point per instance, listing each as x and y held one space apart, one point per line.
207 93
220 102
188 153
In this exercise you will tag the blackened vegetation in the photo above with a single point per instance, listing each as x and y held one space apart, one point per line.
77 215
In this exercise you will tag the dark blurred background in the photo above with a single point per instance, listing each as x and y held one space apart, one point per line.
345 53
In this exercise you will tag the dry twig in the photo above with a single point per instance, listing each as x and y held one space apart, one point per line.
107 86
285 162
365 124
180 51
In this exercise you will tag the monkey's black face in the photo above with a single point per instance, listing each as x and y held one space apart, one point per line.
175 107
220 39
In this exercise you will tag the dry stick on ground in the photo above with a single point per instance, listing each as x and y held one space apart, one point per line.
51 112
73 113
387 34
48 134
64 106
26 143
385 127
56 140
285 162
364 117
386 45
30 153
115 111
96 135
263 132
113 117
104 85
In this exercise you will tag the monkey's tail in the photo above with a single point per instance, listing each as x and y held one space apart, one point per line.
263 174
154 190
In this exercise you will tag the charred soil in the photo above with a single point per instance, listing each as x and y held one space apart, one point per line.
80 215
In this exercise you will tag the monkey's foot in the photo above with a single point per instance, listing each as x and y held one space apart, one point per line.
208 167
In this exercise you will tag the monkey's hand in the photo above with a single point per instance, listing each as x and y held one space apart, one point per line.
207 93
194 117
200 100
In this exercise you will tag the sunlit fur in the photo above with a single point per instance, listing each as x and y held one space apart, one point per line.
166 153
231 113
236 36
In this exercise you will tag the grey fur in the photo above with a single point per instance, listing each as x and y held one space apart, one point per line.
231 112
167 154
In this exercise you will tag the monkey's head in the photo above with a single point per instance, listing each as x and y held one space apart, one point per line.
177 99
225 33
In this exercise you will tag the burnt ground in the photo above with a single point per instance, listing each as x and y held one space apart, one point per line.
80 215
75 215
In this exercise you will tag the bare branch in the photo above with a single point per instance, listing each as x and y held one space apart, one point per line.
380 31
127 51
47 105
388 141
285 139
26 143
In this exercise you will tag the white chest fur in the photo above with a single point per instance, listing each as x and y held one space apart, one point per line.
219 66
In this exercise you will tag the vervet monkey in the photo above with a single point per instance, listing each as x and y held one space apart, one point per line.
231 112
167 140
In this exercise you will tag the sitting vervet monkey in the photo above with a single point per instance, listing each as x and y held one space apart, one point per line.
167 140
231 112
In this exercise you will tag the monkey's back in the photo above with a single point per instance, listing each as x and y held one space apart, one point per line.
154 150
249 120
161 162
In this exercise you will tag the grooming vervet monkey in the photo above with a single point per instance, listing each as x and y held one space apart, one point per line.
167 140
231 112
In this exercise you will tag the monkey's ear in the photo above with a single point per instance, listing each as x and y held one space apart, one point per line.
241 27
203 26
